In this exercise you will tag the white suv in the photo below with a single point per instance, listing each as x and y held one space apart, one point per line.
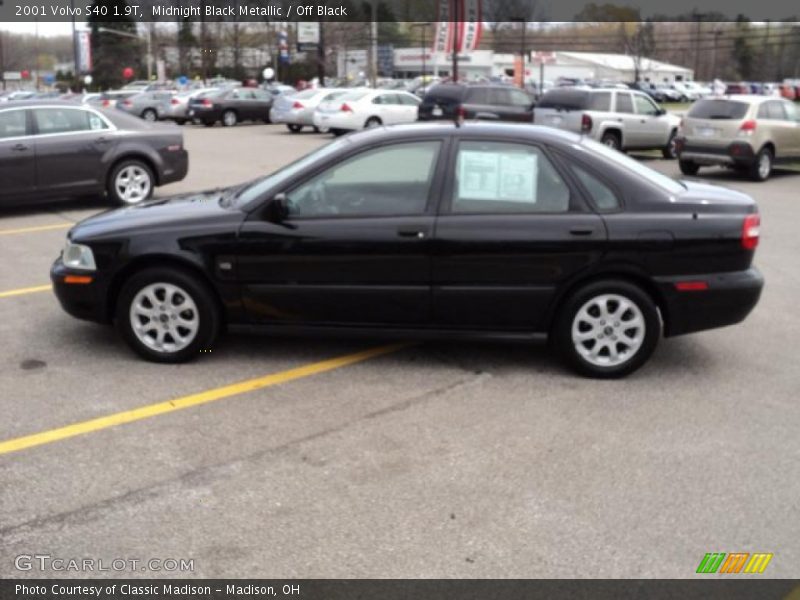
621 119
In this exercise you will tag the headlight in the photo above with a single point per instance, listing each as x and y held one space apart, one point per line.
78 256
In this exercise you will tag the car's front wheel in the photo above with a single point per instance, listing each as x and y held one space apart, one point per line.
150 115
607 329
167 315
670 151
130 182
294 127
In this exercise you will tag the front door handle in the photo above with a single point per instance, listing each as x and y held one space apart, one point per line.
412 232
102 140
581 231
20 148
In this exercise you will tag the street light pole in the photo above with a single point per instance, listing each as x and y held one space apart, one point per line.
422 27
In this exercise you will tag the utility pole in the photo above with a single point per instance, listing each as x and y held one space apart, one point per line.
373 45
422 27
456 39
321 54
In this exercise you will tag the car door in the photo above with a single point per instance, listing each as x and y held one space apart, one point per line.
17 155
653 128
355 247
70 145
510 232
262 102
385 107
626 114
520 106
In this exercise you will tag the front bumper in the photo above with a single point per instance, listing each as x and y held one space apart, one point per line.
85 301
728 299
734 154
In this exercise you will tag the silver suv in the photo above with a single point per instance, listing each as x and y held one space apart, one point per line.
747 133
621 119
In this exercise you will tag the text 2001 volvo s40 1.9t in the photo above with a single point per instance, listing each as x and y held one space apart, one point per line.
484 230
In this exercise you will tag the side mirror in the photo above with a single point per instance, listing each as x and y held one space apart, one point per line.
660 112
277 209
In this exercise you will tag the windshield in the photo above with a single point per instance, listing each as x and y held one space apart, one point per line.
257 188
651 175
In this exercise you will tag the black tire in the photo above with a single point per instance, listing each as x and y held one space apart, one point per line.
229 118
180 121
670 151
209 123
338 132
208 313
373 122
611 139
115 195
755 171
563 327
688 167
294 128
148 114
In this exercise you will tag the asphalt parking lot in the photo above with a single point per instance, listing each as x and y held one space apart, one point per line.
426 460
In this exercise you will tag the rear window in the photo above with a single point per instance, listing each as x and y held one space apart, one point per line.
561 99
718 109
600 101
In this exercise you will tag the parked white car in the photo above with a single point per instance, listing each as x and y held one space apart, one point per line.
363 108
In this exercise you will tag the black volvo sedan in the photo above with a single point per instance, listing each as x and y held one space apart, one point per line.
427 230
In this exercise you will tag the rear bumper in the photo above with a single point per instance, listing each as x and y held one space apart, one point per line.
728 299
176 166
735 153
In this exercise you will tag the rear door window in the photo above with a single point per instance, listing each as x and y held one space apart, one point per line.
12 124
602 195
600 101
624 102
65 120
499 177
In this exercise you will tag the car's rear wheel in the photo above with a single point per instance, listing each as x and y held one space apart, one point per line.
607 329
612 140
670 151
167 315
761 168
688 167
131 182
229 118
294 128
149 114
338 132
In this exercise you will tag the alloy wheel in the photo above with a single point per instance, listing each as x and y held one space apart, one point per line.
608 330
133 184
164 317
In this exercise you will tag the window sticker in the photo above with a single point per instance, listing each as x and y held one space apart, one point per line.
501 176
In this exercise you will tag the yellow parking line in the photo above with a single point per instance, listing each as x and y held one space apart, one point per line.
35 229
152 410
29 290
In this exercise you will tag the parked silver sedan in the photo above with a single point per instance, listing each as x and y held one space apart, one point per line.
297 110
176 108
145 104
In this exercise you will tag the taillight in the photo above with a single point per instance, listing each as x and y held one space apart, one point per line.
748 127
106 103
586 124
750 231
207 102
345 108
174 101
127 103
461 112
297 105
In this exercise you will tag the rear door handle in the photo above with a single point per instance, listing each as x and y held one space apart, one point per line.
20 147
412 232
581 231
102 140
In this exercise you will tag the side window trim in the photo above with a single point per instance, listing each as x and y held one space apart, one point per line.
434 189
577 201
